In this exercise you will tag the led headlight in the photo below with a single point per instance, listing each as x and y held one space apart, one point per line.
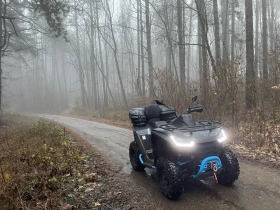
222 136
182 142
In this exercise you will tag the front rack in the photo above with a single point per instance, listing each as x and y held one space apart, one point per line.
200 126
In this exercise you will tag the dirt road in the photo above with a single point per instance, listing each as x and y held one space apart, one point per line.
257 188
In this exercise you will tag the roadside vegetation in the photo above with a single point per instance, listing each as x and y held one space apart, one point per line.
42 166
37 161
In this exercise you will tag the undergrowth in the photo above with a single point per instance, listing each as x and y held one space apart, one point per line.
35 163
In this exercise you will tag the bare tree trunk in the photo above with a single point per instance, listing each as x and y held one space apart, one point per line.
97 80
271 36
199 42
142 51
139 90
257 37
168 29
220 75
105 95
55 69
116 53
107 73
1 47
168 53
93 69
271 25
200 4
149 49
80 68
232 33
265 52
86 68
189 50
225 23
250 97
201 11
64 79
129 46
47 89
182 53
232 74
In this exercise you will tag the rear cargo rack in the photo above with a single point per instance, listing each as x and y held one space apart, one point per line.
200 126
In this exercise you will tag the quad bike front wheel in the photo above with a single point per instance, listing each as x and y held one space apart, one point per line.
134 157
170 178
231 169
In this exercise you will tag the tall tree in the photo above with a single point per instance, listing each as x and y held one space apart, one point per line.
142 51
199 50
80 67
149 49
105 95
265 52
139 90
225 24
217 43
182 53
257 37
250 97
1 47
92 61
232 32
204 82
271 35
115 50
189 49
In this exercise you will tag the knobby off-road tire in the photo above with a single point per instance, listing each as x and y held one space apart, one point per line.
134 157
231 169
170 178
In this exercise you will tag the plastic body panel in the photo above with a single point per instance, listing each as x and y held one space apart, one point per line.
142 136
167 114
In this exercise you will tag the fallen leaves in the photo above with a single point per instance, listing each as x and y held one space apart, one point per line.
91 177
276 87
89 190
67 206
97 204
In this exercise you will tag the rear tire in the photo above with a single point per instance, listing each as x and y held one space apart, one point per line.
231 168
134 157
170 178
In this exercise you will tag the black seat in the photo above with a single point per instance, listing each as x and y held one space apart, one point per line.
152 113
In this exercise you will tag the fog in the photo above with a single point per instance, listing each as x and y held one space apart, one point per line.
95 53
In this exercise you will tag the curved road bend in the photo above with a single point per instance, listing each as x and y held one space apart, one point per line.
258 187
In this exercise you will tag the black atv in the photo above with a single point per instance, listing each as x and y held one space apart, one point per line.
179 148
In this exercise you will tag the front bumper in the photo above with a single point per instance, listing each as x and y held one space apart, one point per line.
204 170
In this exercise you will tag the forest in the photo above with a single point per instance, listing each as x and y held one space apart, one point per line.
71 72
64 54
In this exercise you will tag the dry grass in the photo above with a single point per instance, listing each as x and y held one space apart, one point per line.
113 117
36 161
